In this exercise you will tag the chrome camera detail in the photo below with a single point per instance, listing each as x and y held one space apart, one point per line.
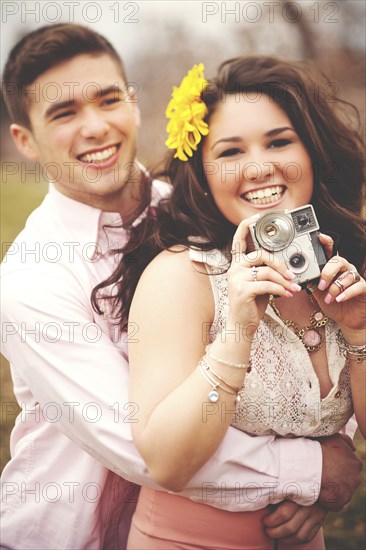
292 236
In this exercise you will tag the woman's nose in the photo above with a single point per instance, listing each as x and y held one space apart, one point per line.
259 171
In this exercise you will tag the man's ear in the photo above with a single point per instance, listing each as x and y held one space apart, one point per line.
24 141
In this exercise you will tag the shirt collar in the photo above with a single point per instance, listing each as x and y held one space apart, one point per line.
84 222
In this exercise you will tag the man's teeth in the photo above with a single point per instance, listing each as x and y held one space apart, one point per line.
99 156
264 196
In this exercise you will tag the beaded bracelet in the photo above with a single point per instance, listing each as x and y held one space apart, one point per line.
219 377
223 362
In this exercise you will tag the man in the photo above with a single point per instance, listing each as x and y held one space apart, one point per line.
72 452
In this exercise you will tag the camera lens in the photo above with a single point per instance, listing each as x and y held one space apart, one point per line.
297 262
303 220
275 231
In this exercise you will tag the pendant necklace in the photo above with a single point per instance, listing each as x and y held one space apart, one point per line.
309 335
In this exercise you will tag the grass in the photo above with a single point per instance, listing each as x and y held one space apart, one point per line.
19 196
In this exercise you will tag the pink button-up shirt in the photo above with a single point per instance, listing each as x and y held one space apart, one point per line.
68 483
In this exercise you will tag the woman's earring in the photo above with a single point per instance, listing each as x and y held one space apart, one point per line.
206 194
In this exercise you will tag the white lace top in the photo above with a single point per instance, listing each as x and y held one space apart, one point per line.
281 393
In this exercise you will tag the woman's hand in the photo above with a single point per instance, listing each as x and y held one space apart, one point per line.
252 278
341 293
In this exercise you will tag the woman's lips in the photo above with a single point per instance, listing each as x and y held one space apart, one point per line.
265 196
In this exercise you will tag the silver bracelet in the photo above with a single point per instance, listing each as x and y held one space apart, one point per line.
354 350
219 377
228 363
357 352
214 395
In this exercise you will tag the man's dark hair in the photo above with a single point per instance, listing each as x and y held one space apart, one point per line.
42 49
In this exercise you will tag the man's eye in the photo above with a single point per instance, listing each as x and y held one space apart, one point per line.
63 114
279 143
230 152
112 100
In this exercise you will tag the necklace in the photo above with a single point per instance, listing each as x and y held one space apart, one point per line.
309 335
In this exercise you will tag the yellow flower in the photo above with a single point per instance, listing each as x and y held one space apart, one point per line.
186 112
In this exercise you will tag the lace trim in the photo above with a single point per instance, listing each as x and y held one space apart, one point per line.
281 394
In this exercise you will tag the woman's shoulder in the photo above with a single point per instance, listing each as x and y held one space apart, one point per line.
172 277
175 262
190 259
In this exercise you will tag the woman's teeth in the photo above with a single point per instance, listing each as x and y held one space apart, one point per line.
265 196
99 156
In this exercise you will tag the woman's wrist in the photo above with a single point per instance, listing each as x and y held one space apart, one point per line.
230 347
242 332
355 347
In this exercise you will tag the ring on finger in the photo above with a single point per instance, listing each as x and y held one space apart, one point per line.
356 276
254 272
343 275
339 285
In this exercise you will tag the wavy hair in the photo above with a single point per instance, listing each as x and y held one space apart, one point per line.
325 125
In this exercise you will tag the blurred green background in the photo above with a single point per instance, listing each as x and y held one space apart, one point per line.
159 42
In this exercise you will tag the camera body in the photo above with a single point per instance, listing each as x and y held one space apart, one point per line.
292 236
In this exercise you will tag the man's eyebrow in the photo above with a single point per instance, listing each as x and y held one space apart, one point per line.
57 107
115 88
99 92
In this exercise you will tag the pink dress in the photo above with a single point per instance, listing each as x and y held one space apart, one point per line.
166 521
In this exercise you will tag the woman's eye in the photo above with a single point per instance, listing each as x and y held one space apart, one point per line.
279 143
230 152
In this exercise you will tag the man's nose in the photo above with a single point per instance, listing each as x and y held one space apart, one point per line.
93 125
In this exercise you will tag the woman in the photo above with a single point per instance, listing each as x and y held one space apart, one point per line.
270 143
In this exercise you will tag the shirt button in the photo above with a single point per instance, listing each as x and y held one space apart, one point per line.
338 394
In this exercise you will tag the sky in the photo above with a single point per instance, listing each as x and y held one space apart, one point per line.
134 26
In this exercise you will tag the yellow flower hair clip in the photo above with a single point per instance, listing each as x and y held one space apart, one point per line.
186 112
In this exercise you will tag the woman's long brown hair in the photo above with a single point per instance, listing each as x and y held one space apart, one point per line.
334 145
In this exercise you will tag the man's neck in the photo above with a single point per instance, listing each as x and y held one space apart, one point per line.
129 201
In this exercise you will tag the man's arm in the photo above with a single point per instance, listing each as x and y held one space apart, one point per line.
299 524
70 360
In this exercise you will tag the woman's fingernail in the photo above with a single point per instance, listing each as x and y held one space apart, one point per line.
322 284
340 297
295 287
288 294
290 274
328 299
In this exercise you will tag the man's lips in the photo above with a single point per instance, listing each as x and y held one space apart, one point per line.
266 195
99 156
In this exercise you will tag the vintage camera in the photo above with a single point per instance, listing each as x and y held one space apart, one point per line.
292 235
